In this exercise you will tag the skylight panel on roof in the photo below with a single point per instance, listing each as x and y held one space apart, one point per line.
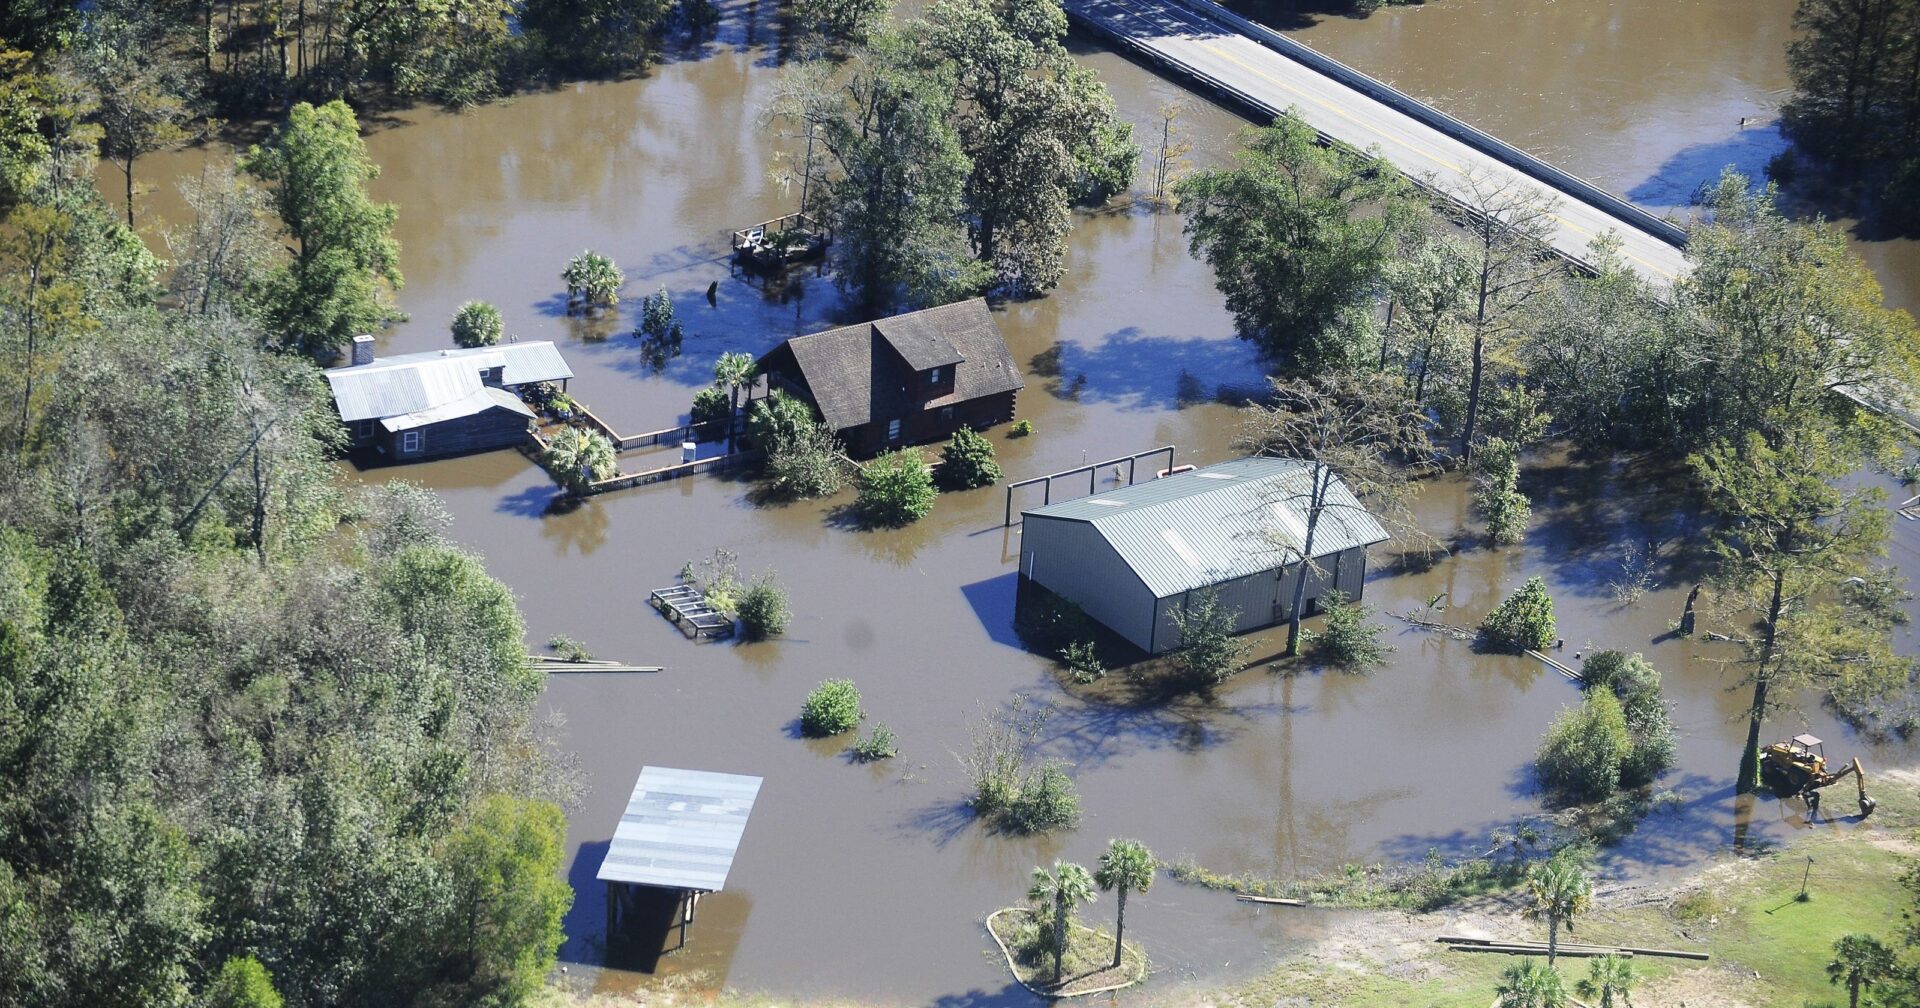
1216 475
1180 546
1108 503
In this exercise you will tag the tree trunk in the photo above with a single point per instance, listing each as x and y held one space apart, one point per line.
128 169
1749 777
1315 504
1473 396
1853 991
1553 937
1120 927
1059 934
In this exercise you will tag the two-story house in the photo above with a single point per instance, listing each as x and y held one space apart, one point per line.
908 379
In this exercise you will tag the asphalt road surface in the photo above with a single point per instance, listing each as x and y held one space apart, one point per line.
1275 82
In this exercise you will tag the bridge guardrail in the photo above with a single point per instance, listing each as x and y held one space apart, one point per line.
1485 143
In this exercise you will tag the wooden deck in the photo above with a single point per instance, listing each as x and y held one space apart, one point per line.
689 610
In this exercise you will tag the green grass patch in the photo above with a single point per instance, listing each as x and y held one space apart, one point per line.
1087 966
1428 885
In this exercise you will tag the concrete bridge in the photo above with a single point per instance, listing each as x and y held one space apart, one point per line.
1267 73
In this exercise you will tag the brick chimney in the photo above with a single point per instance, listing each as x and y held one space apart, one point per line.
362 350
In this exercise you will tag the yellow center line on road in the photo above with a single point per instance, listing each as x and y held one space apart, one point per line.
1381 130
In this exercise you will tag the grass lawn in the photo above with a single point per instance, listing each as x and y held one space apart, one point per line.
1087 966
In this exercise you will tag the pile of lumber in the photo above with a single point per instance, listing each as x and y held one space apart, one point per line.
555 663
1572 950
1274 900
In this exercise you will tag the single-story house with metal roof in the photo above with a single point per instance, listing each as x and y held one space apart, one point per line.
441 402
1131 557
903 380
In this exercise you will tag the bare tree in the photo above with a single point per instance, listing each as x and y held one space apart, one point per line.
1348 429
1170 163
223 259
1507 221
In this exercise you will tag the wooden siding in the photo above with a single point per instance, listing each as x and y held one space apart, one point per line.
928 426
494 428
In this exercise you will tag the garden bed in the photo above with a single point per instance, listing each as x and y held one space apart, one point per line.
1087 969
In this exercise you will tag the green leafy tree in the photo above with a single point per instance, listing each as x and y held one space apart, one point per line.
1210 653
1636 684
1430 286
1057 892
142 93
658 321
1353 435
1610 978
506 900
594 37
241 983
804 459
1581 755
1507 221
1298 236
1348 640
1038 131
593 282
967 461
896 488
1859 962
833 707
1126 866
1790 541
1523 621
223 262
577 457
1527 984
709 410
890 174
733 372
477 324
1496 492
840 22
1558 891
344 255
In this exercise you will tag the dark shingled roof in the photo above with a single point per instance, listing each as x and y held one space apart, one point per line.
856 372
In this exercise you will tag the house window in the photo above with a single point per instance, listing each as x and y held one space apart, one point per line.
893 430
946 414
363 430
409 442
933 377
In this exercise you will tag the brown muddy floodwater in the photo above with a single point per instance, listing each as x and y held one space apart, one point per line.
869 882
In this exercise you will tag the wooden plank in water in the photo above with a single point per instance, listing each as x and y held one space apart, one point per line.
1277 900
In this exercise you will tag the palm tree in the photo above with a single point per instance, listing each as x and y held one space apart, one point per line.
577 456
735 372
1859 961
1609 978
1127 865
1561 892
1530 985
1067 886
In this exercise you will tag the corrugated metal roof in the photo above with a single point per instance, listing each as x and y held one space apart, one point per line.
411 383
478 402
1219 523
681 829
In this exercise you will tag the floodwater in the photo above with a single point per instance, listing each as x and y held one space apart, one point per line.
869 882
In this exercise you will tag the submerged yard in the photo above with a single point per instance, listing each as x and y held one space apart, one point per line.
869 882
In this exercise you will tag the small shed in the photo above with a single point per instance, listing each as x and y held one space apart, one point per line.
1130 557
680 832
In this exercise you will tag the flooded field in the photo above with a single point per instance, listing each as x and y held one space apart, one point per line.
870 881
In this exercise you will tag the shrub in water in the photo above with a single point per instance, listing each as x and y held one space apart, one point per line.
763 609
832 707
1209 653
477 324
710 406
879 744
896 488
1083 662
593 281
1348 641
1636 684
568 648
1524 621
1047 802
967 462
1580 757
1021 429
1496 493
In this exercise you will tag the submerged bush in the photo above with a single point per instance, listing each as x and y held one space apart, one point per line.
593 281
763 609
880 743
896 488
832 707
1581 755
1636 684
1047 802
1348 641
1084 662
710 405
1523 622
967 461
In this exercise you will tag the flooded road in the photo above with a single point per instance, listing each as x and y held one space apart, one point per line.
869 882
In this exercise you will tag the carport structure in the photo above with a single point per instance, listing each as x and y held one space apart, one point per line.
680 832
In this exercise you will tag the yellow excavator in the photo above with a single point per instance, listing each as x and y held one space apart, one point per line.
1798 767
